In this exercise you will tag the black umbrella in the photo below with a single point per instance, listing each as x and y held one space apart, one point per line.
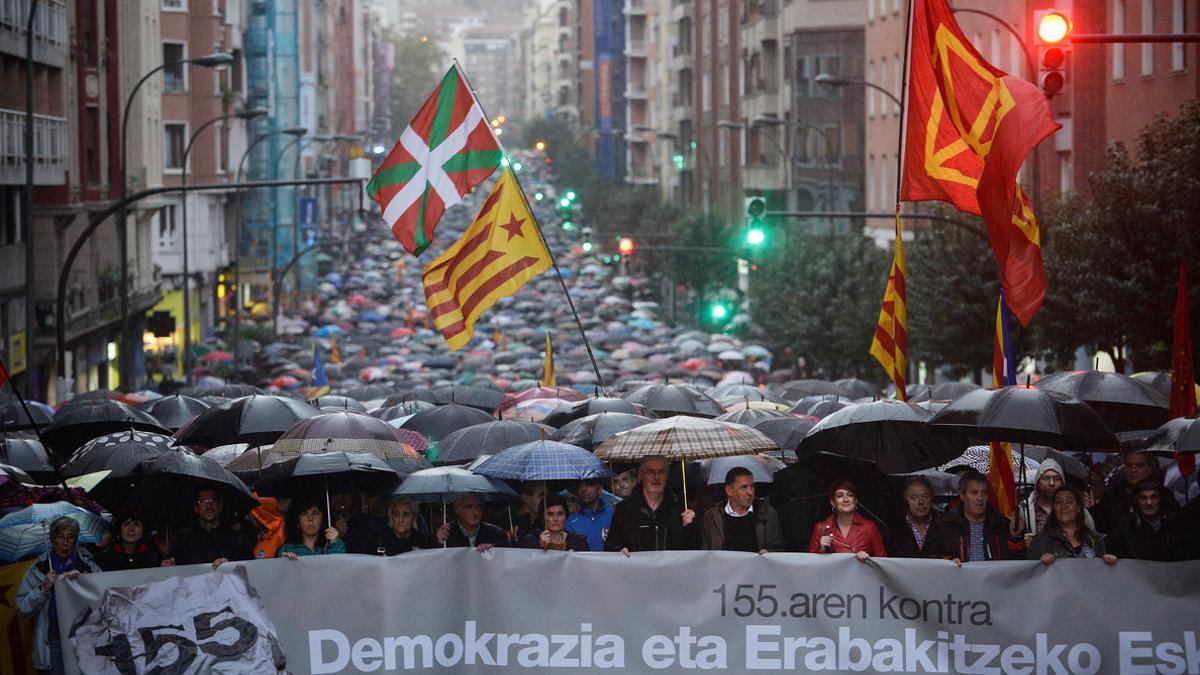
406 466
77 423
369 392
893 434
465 445
15 475
420 394
804 405
569 412
336 403
1020 414
390 413
1124 403
799 389
751 415
824 409
14 417
173 478
29 455
951 391
856 388
326 472
341 432
1181 434
224 391
444 420
256 420
590 431
175 411
787 432
668 400
119 454
737 393
485 399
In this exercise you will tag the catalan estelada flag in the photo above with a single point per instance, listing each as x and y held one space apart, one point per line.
447 149
969 127
1002 488
320 381
495 257
890 344
548 379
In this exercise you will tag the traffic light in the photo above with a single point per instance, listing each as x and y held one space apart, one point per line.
540 146
537 196
625 246
570 195
756 226
564 202
718 312
755 236
1053 29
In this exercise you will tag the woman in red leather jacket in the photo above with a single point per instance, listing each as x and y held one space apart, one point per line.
845 531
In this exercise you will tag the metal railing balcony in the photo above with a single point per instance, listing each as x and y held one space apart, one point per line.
49 148
50 33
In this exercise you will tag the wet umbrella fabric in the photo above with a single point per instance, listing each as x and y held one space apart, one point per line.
77 423
256 420
1124 403
15 474
795 390
176 410
464 445
684 438
786 432
667 400
336 403
13 417
483 398
543 460
175 477
449 483
750 415
762 468
25 533
856 388
28 455
893 434
440 422
1020 414
326 471
347 432
569 412
1180 435
406 466
951 391
589 432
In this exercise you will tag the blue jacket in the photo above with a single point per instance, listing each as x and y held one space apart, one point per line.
592 524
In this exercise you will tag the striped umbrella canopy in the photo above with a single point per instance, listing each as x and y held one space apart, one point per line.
26 533
543 460
684 438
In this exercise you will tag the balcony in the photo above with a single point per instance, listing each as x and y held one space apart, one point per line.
635 48
49 31
635 92
49 149
635 7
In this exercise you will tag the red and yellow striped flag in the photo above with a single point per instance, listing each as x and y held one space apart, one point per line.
495 257
1002 487
890 345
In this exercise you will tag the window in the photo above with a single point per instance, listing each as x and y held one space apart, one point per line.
870 10
1177 60
994 48
1016 58
871 182
222 148
896 81
175 5
1148 48
882 8
803 84
870 91
174 76
1118 27
883 182
91 145
10 215
167 226
883 70
173 144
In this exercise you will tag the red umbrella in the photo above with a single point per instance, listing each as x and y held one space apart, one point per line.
284 381
695 363
217 355
358 300
402 332
565 393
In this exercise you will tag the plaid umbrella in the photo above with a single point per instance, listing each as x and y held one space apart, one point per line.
25 533
543 460
684 438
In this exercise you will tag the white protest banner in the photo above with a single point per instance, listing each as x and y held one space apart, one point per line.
461 611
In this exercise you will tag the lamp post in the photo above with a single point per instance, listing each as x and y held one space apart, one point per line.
275 234
237 247
125 360
830 80
27 212
186 358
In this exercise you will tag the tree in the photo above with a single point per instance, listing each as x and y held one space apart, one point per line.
418 64
1112 255
819 294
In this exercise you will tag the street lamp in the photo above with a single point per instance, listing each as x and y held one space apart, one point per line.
207 61
830 80
249 114
237 248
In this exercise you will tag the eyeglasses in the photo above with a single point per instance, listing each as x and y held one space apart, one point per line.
207 501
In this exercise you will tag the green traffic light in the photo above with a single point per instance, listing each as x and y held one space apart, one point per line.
571 195
718 312
587 247
568 225
537 196
564 202
755 236
517 166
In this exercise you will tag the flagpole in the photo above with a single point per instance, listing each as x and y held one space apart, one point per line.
900 153
36 429
538 228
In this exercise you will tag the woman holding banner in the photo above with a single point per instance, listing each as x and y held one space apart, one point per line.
306 527
1066 534
555 536
401 535
845 530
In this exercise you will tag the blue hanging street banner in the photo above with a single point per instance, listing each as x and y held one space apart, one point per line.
308 212
462 611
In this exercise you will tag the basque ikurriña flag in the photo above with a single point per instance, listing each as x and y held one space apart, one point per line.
969 128
447 149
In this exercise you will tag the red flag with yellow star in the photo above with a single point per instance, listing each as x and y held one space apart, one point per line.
969 128
493 259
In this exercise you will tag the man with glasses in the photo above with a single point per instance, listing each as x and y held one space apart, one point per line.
210 541
468 528
652 519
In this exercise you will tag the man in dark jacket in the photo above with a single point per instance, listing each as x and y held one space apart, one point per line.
975 531
651 519
742 523
210 541
468 528
921 534
1143 532
1120 495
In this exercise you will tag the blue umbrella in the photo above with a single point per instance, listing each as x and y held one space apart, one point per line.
543 460
327 331
25 533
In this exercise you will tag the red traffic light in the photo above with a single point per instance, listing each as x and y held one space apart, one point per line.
625 246
1054 27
